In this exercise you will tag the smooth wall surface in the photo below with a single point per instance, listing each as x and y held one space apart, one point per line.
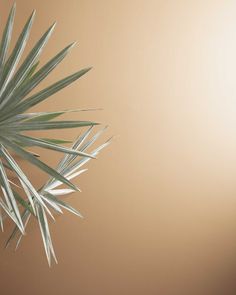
160 203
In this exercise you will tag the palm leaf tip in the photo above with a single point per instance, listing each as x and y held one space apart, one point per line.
7 34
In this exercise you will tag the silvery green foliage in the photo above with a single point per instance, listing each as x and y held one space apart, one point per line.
19 201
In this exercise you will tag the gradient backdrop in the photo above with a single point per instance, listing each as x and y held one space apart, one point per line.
160 203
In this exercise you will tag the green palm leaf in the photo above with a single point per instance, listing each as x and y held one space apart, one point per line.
13 60
6 38
25 67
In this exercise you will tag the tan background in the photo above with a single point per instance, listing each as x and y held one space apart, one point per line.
160 203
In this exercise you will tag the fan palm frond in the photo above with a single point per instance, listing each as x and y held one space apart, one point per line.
17 81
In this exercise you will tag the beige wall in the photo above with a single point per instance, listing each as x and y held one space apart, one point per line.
160 203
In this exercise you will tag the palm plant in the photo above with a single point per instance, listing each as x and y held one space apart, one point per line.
21 200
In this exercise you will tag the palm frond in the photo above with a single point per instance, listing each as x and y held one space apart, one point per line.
70 169
17 80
